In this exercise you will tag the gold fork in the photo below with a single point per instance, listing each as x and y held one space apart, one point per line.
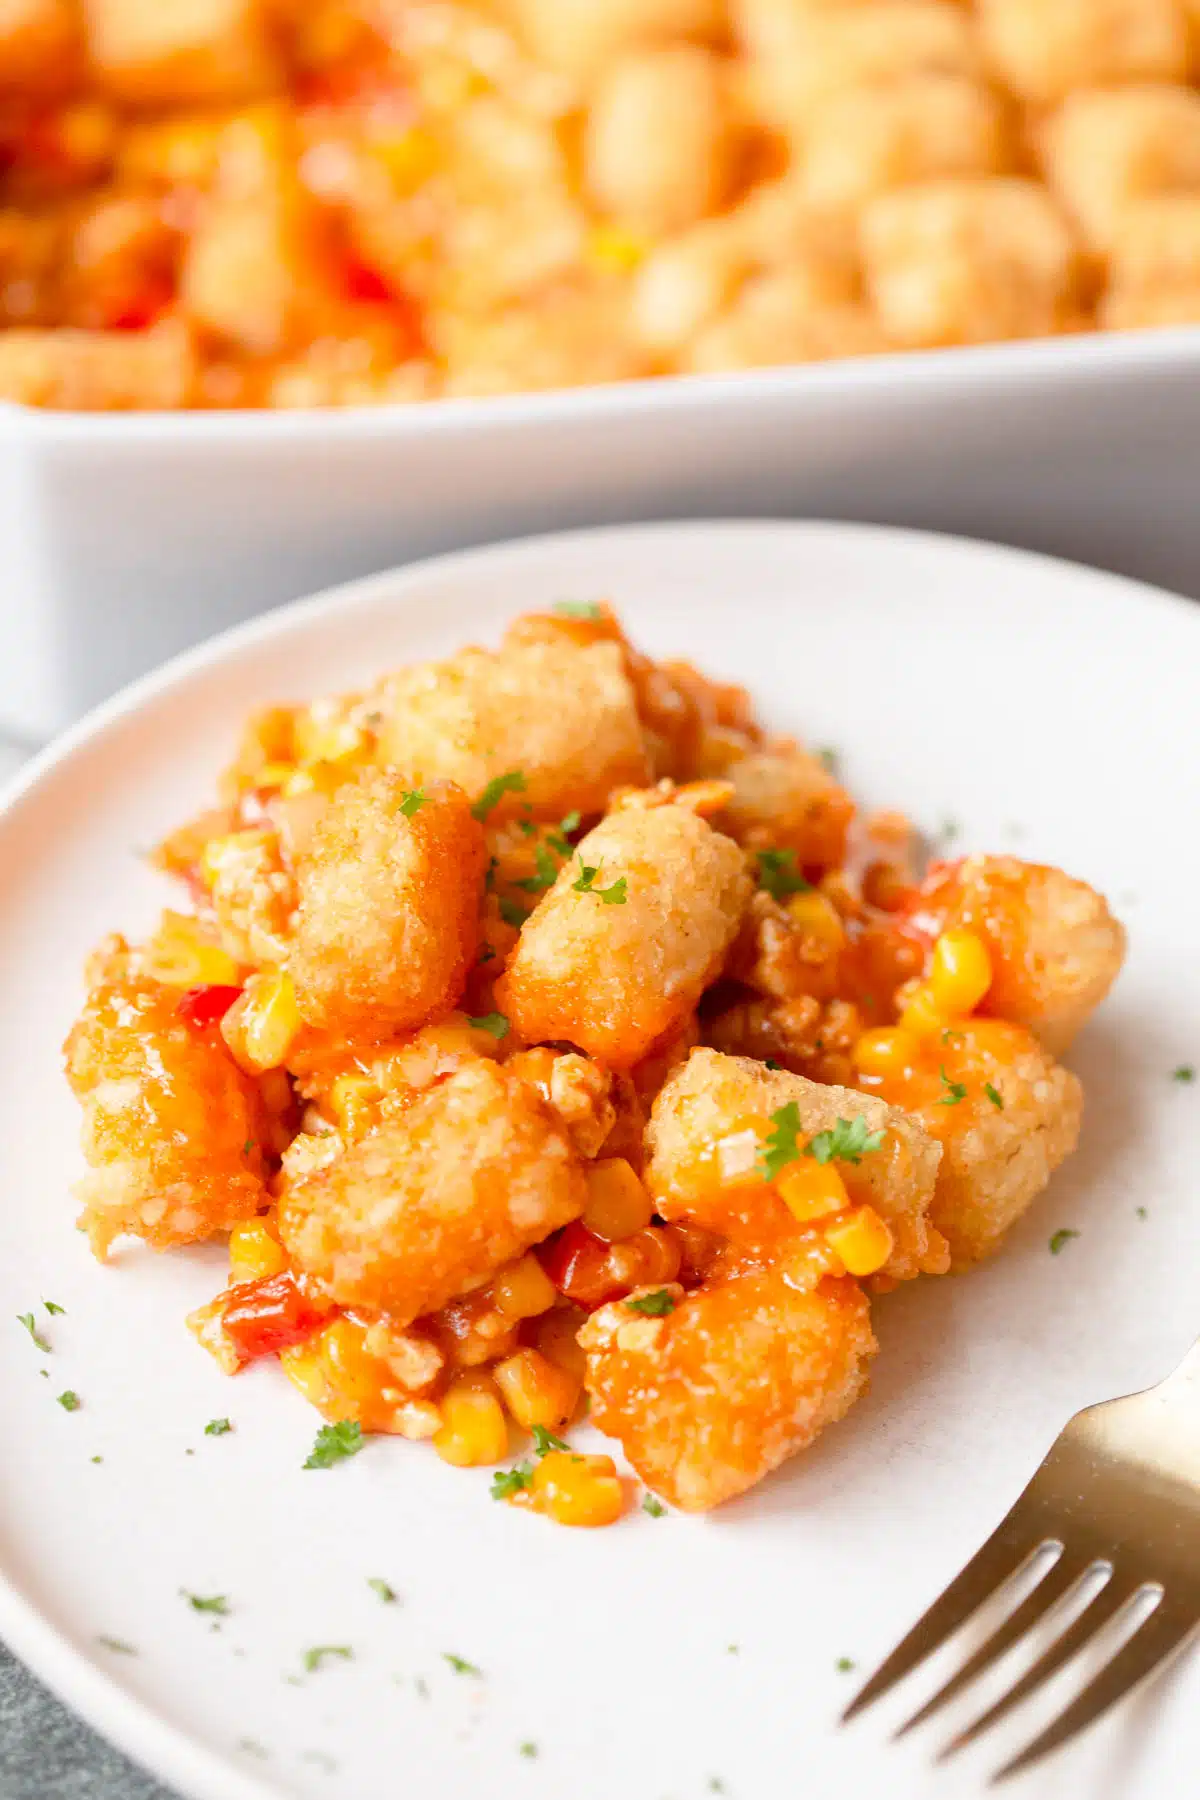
1119 1496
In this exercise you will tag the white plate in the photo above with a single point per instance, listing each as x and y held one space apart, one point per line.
1047 709
125 538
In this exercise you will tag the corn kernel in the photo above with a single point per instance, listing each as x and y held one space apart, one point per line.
358 1377
961 972
818 917
557 1337
890 1051
862 1240
261 1027
254 1252
523 1290
326 740
473 1429
577 1490
305 1369
179 955
352 1101
617 1202
812 1190
410 157
922 1016
535 1391
613 250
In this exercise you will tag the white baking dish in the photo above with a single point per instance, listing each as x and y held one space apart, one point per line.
125 538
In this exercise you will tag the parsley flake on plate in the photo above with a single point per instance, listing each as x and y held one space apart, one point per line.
544 1441
312 1659
460 1665
1185 1073
69 1400
52 1307
334 1443
252 1747
1141 1212
1061 1237
217 1427
207 1603
494 792
494 1023
994 1095
778 874
655 1305
653 1505
578 609
955 1090
384 1589
528 1748
844 1664
848 1141
413 801
507 1482
118 1646
30 1324
613 895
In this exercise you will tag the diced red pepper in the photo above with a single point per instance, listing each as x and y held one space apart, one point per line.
362 282
578 1264
261 1318
143 308
204 1006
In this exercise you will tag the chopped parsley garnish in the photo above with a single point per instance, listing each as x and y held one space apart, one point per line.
778 874
715 1785
52 1307
252 1747
494 792
494 1023
783 1144
507 1482
1185 1072
948 830
384 1589
30 1324
844 1664
544 1441
312 1659
547 872
486 954
559 840
117 1645
528 1748
413 801
655 1305
827 756
512 914
848 1141
955 1090
460 1665
97 1459
570 822
1060 1238
950 1036
611 896
733 1649
994 1095
334 1443
577 609
1141 1212
772 1064
207 1603
653 1505
69 1400
217 1427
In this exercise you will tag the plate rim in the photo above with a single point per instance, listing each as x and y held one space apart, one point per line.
165 1750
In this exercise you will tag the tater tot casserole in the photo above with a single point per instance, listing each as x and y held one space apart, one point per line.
301 203
545 1034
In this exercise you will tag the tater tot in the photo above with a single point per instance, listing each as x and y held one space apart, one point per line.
659 138
1055 947
1044 48
1106 148
172 1129
999 1149
707 1131
616 962
148 54
864 140
1139 309
786 798
581 37
99 371
965 261
773 322
38 44
561 716
740 1376
388 919
473 1172
1156 246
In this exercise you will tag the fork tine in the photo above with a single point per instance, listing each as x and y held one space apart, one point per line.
1103 1607
1054 1585
1005 1552
1158 1637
